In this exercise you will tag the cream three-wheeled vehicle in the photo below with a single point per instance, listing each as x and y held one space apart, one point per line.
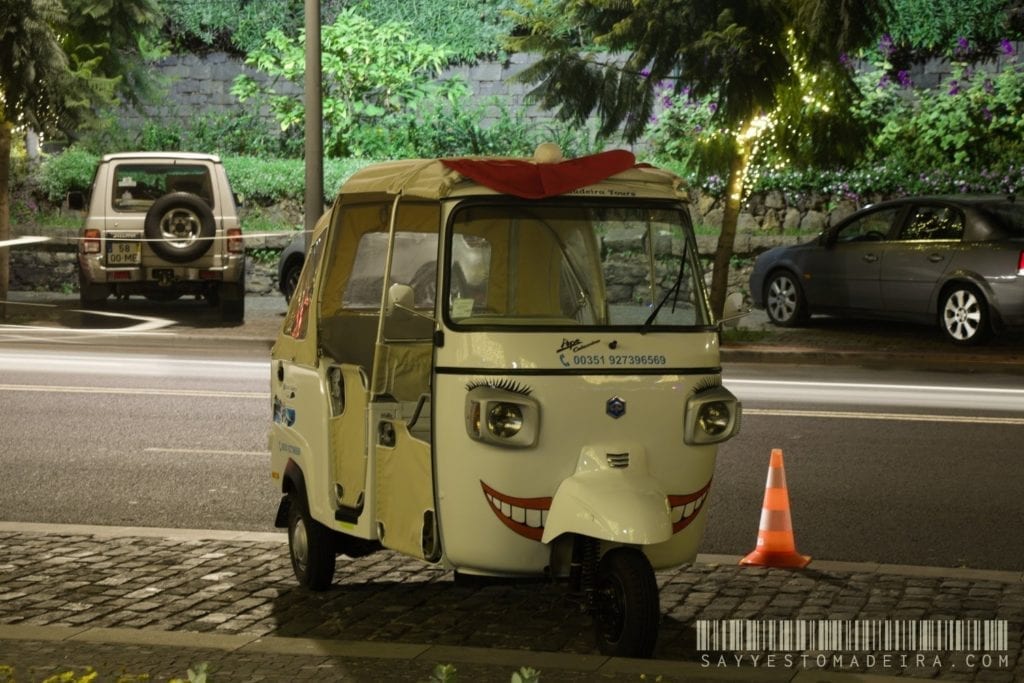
507 368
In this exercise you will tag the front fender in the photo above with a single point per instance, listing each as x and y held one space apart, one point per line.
624 505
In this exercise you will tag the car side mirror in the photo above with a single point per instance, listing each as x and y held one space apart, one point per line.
733 310
400 296
76 200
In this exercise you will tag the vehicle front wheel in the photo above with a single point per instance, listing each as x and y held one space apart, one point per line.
310 545
784 300
626 609
964 315
290 278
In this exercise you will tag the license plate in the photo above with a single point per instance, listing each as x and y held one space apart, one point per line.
123 253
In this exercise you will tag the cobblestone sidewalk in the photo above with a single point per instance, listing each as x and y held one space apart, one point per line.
81 581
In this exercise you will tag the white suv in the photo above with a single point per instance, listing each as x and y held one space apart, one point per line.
162 225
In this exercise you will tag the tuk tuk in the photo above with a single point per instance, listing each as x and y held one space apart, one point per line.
508 368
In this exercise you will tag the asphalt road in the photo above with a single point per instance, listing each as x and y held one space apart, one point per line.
913 468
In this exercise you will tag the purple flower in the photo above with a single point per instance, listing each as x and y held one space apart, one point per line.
884 81
963 47
904 78
954 87
845 60
712 107
644 73
666 102
1007 47
885 45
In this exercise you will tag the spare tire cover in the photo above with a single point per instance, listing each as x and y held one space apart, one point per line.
180 227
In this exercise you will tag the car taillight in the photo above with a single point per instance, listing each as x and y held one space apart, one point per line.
236 245
1020 264
91 241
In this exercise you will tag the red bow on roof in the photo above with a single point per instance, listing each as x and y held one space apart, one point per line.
532 180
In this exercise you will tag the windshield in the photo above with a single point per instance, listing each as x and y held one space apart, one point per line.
573 265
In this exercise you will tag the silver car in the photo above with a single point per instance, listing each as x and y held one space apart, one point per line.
957 261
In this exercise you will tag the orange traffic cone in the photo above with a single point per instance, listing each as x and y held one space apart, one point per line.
775 544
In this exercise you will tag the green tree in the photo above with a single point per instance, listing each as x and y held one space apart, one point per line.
775 73
370 72
59 61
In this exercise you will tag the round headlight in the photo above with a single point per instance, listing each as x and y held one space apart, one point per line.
504 419
713 417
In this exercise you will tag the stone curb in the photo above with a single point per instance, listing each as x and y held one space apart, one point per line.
598 665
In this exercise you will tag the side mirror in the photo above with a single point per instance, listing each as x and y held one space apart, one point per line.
733 310
76 201
400 296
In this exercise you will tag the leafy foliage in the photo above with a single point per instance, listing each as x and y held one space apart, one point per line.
259 180
469 29
370 72
976 120
935 27
73 169
235 26
241 134
442 127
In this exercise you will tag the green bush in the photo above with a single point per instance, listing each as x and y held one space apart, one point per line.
445 128
259 180
242 133
72 169
470 28
976 119
371 72
265 181
932 27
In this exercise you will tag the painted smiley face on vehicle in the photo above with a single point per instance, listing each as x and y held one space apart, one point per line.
527 516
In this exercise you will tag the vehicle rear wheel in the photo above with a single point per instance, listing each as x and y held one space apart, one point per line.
92 295
964 315
310 546
232 303
784 300
626 609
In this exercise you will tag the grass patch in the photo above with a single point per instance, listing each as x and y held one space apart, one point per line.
744 335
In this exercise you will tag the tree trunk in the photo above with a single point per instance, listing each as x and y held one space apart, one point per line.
727 238
5 213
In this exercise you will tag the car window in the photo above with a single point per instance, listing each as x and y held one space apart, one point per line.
1010 216
871 227
934 223
137 185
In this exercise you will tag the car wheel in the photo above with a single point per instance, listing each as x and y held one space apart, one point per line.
784 300
964 315
626 610
180 227
92 295
290 278
232 302
310 546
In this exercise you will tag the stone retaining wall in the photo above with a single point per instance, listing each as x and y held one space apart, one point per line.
201 84
765 221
